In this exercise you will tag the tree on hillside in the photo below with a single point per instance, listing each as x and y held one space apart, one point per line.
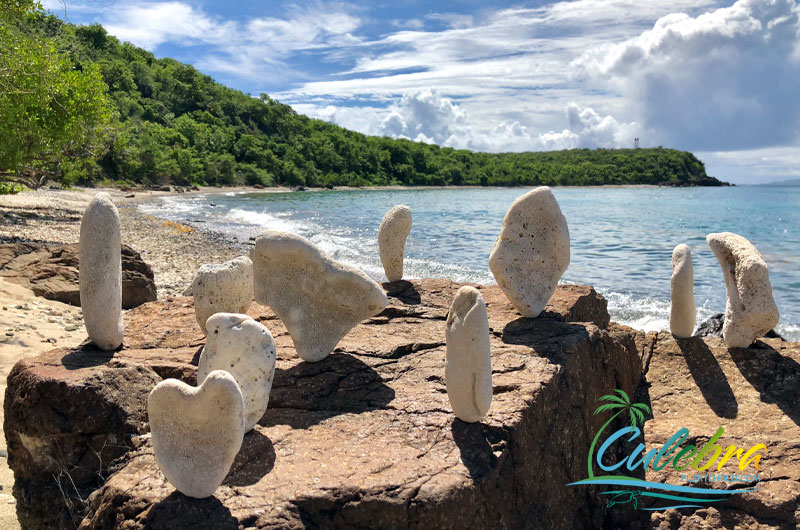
54 117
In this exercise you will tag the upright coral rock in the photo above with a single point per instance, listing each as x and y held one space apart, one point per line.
682 311
468 372
100 272
392 235
750 311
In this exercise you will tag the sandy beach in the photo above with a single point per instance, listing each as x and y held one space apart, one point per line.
30 325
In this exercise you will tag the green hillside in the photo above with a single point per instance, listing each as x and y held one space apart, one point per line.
172 124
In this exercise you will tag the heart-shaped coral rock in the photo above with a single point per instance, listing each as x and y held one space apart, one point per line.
196 431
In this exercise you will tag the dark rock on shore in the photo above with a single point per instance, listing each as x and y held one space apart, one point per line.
363 439
712 327
51 271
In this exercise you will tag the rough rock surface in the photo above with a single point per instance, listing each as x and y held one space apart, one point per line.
392 234
196 431
754 394
222 288
750 310
51 271
318 299
100 273
362 439
683 311
468 372
532 251
244 348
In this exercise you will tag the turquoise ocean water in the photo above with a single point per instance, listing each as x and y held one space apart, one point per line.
621 238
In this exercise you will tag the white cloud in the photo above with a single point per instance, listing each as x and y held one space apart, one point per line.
724 80
427 116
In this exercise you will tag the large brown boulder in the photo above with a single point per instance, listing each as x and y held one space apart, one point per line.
362 439
51 271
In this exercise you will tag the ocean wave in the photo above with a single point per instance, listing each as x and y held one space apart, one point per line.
265 220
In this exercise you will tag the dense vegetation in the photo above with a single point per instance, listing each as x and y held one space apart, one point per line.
173 124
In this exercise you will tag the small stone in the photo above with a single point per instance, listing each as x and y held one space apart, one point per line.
683 311
196 431
532 251
244 348
392 234
318 299
750 310
222 288
100 272
9 333
70 328
52 340
468 372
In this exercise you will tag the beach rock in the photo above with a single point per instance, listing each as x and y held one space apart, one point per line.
532 251
51 271
750 311
100 270
365 438
222 288
712 327
244 348
468 372
196 431
682 310
318 299
392 234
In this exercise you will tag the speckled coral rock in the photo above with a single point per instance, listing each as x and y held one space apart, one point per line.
532 251
222 288
243 347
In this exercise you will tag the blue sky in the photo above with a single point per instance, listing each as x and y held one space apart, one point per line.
716 78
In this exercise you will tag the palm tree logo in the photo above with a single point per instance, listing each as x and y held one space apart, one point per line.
621 403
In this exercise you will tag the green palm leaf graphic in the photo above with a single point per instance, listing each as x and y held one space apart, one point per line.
620 403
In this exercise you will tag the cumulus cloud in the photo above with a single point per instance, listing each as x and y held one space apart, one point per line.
427 116
724 80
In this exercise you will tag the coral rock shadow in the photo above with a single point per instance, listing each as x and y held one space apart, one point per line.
308 393
87 356
255 459
709 377
179 511
473 441
549 337
775 376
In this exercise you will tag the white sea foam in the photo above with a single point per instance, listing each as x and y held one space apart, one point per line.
265 220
